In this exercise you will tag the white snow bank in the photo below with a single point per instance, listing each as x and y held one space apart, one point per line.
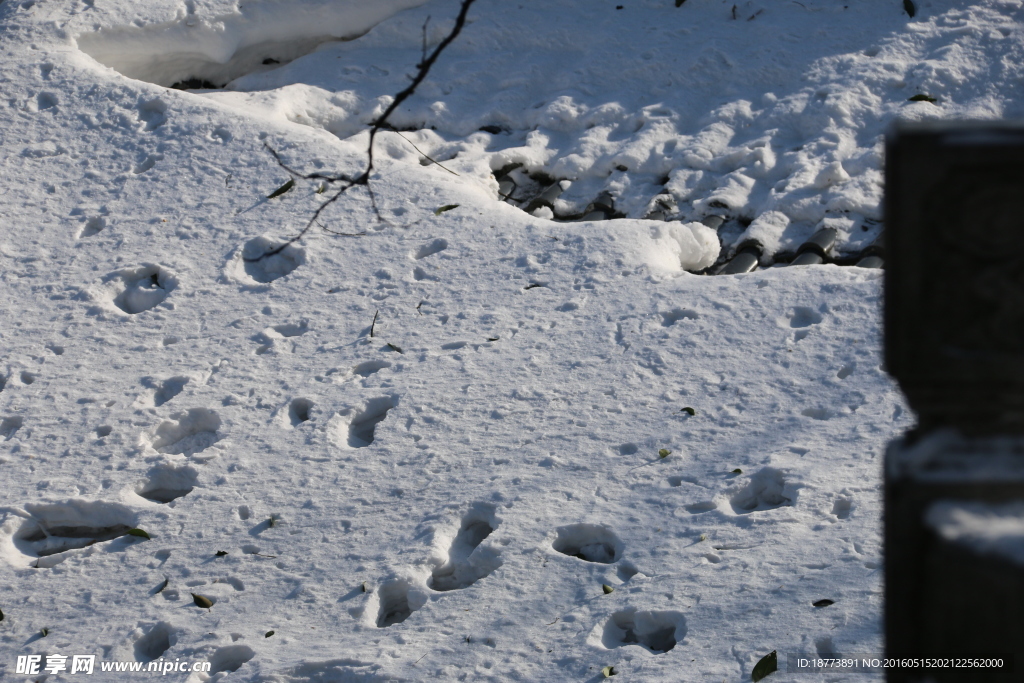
665 248
223 47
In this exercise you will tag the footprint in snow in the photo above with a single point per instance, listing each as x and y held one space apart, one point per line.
356 428
46 100
588 542
155 642
9 426
300 410
152 114
55 528
466 564
262 260
429 249
670 318
421 275
134 290
165 390
802 318
166 483
396 601
842 507
818 413
146 164
369 367
186 433
656 632
274 337
230 658
766 490
93 226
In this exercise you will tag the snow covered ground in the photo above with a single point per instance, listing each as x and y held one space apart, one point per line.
427 451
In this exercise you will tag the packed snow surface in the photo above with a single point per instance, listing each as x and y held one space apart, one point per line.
426 449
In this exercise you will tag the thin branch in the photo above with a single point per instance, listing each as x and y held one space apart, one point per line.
425 156
424 69
423 52
340 234
374 321
381 123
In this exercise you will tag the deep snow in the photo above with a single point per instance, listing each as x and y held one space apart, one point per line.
444 499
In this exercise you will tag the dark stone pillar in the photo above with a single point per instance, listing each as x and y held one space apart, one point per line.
954 340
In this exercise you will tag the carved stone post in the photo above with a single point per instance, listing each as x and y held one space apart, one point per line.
954 340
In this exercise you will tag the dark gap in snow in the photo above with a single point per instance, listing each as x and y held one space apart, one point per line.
195 84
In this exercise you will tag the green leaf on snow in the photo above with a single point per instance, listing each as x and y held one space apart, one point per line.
768 664
201 601
281 190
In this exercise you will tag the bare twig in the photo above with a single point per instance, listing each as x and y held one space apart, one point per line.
374 321
425 155
423 53
381 123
